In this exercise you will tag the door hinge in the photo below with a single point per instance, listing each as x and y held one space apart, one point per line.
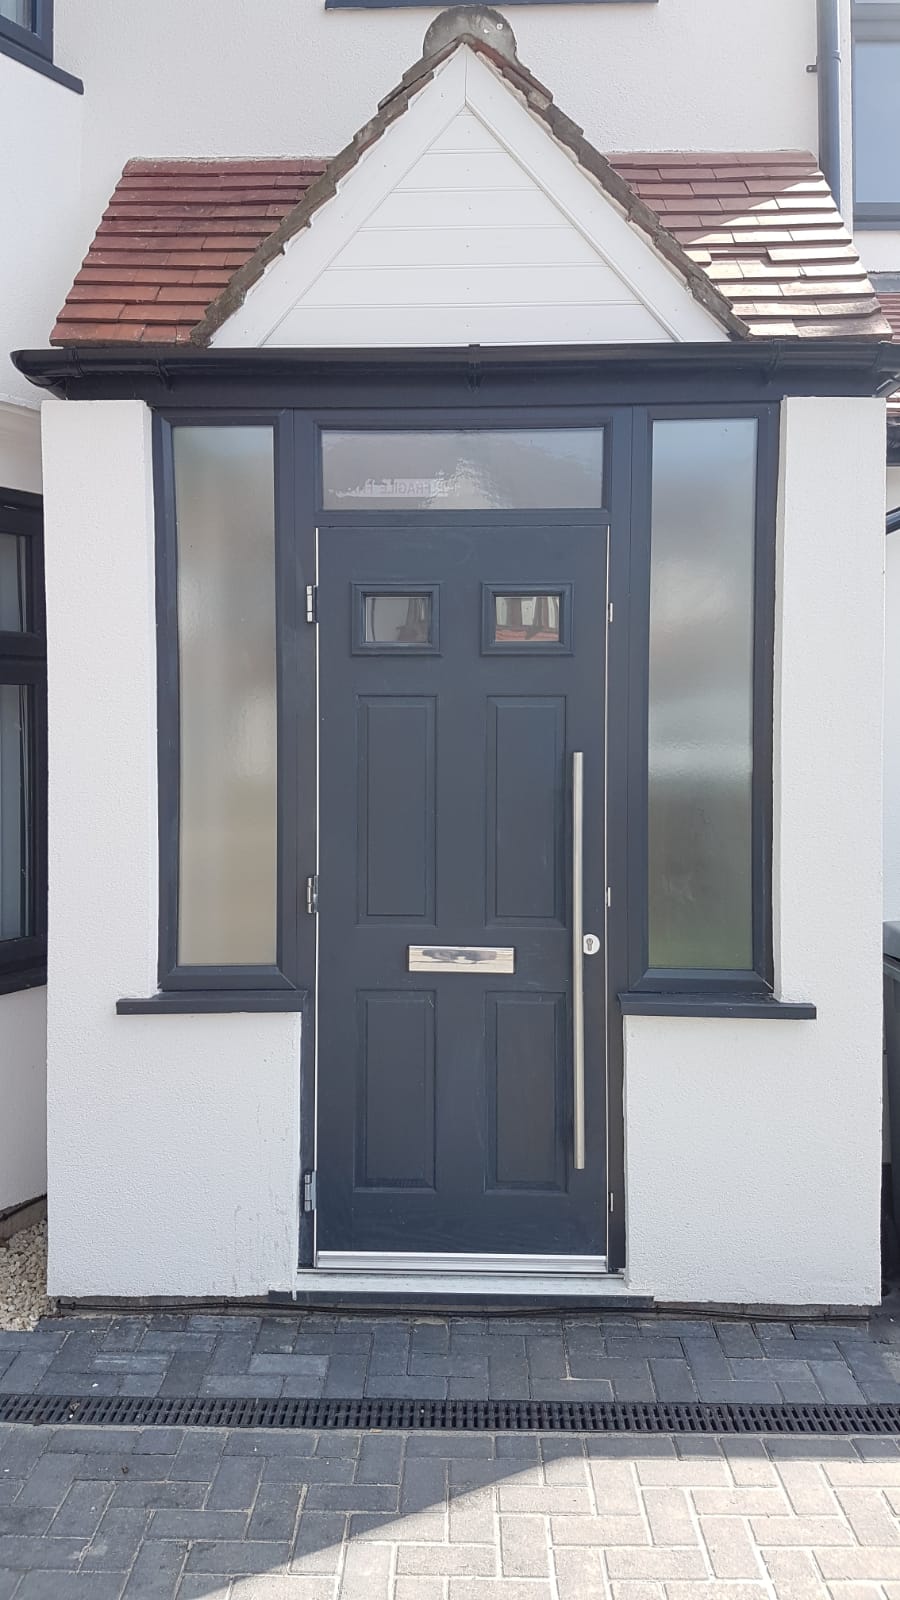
312 602
609 611
312 895
309 1191
609 896
612 1201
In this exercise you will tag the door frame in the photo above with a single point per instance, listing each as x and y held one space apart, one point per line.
301 522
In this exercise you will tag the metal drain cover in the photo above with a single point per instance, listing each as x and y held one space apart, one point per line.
482 1416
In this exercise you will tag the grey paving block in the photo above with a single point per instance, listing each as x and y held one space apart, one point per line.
346 1377
672 1379
8 1582
423 1486
277 1335
21 1448
235 1484
234 1557
738 1339
149 1494
186 1372
318 1543
156 1571
159 1441
203 1524
315 1469
20 1552
274 1512
644 1346
290 1365
351 1497
407 1388
450 1366
50 1480
81 1510
199 1455
380 1459
136 1469
70 1586
25 1372
116 1541
835 1381
430 1335
450 1446
267 1442
755 1391
552 1389
232 1353
82 1441
25 1519
225 1322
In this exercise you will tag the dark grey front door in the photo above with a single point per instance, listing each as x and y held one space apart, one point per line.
461 663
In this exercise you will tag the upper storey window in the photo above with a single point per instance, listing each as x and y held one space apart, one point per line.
876 91
26 34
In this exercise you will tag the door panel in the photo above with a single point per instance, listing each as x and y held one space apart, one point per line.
451 700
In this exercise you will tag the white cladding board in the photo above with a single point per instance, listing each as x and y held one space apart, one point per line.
467 223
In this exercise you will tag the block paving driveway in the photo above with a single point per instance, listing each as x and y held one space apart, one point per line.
184 1513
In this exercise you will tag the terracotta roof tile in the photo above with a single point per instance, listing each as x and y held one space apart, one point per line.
762 226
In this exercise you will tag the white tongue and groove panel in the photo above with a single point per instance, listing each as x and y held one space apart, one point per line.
467 249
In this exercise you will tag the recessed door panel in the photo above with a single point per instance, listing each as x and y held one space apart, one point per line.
526 743
396 827
395 1091
525 1041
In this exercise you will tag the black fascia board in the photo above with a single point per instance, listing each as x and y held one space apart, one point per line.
761 368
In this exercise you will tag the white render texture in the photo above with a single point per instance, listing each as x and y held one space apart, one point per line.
892 709
466 223
173 1143
754 1148
23 1099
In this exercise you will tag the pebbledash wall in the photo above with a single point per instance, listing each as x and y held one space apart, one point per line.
752 1148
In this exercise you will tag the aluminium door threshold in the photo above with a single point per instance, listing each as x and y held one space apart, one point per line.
449 1288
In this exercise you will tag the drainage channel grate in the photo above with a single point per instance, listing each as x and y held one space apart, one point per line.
483 1416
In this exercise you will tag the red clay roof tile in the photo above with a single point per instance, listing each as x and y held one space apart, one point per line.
763 226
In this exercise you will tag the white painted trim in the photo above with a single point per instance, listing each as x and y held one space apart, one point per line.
480 1286
653 288
375 175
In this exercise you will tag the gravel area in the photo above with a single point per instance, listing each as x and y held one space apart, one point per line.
23 1280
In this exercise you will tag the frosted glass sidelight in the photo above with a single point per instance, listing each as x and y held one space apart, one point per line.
13 581
474 470
16 778
701 694
20 11
227 859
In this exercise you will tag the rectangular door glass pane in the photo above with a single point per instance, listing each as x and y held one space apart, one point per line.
533 618
701 694
876 91
477 470
16 780
398 618
225 508
13 592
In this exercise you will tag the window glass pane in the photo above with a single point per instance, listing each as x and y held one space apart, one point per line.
463 471
398 619
20 11
876 92
701 694
224 494
532 617
16 779
13 594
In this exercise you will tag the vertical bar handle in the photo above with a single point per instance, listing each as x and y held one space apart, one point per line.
578 953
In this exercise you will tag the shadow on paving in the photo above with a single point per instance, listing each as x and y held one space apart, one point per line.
180 1514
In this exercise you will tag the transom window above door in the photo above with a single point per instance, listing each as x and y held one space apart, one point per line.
484 469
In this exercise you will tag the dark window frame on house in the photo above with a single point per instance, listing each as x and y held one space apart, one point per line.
23 663
32 46
284 985
873 22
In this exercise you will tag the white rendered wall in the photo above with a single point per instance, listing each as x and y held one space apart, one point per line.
753 1149
23 1097
231 77
173 1141
892 710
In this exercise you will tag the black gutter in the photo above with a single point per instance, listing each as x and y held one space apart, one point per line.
836 366
828 69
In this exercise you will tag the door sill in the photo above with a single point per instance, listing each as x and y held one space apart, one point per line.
438 1290
460 1264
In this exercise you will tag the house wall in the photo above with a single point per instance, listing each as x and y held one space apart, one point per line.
756 1146
173 1141
892 710
753 1148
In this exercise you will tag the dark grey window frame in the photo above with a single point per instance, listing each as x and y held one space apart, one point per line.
219 987
872 24
33 47
23 660
756 984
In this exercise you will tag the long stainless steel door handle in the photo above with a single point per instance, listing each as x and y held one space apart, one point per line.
578 953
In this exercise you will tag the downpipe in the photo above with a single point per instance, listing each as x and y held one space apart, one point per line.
828 72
